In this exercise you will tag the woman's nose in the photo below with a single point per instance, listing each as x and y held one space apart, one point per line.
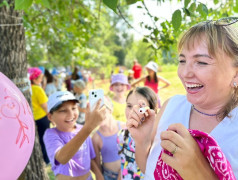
187 70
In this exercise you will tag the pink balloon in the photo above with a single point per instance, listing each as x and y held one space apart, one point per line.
17 130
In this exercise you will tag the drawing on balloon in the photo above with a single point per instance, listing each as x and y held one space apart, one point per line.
13 104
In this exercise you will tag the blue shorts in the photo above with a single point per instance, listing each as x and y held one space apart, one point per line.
109 175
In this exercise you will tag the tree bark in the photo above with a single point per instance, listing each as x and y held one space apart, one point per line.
13 64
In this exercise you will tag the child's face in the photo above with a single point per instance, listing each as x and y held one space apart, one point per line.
39 79
65 117
119 88
108 117
150 72
77 90
132 100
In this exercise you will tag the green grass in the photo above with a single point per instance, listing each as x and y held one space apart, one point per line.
176 86
50 172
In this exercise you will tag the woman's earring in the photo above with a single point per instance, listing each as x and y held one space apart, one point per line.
235 84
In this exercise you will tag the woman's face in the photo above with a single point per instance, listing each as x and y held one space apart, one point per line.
132 100
207 80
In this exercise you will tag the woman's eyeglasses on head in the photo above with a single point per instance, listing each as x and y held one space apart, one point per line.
226 21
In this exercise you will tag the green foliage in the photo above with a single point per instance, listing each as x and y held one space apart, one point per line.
215 1
186 2
44 3
23 4
69 34
111 4
164 34
130 2
202 9
235 8
86 33
176 19
4 3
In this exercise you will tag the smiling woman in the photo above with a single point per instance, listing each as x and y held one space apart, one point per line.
208 69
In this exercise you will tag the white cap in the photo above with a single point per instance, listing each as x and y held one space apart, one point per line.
58 98
152 65
79 83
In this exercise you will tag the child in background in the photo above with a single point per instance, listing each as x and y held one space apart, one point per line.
119 86
126 145
79 87
50 87
69 148
39 106
67 81
130 76
105 144
152 79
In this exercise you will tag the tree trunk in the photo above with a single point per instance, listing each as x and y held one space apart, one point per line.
13 64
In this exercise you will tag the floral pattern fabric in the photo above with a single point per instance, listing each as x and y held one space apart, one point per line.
210 150
129 168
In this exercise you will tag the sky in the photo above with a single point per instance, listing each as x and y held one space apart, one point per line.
163 10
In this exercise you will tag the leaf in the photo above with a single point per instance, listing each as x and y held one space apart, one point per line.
112 4
215 1
145 40
156 32
22 4
176 19
186 11
128 2
156 19
45 3
192 7
186 2
202 9
235 8
139 6
4 3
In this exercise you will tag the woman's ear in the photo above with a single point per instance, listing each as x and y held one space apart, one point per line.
235 80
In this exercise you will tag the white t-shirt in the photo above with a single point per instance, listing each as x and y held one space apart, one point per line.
50 89
177 111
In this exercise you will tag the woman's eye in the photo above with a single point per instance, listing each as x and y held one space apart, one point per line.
182 61
202 63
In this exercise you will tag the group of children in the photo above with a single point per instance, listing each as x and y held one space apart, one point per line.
76 148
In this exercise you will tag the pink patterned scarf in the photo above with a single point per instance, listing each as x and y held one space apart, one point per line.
210 150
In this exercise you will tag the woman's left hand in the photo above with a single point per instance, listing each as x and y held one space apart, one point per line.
187 158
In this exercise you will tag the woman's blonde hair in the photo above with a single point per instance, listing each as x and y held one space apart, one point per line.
218 38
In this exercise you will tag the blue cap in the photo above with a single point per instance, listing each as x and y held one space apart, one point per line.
54 71
42 69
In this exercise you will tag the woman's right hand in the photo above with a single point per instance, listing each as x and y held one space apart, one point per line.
140 125
95 117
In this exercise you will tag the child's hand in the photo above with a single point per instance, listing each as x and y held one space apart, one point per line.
95 117
140 123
